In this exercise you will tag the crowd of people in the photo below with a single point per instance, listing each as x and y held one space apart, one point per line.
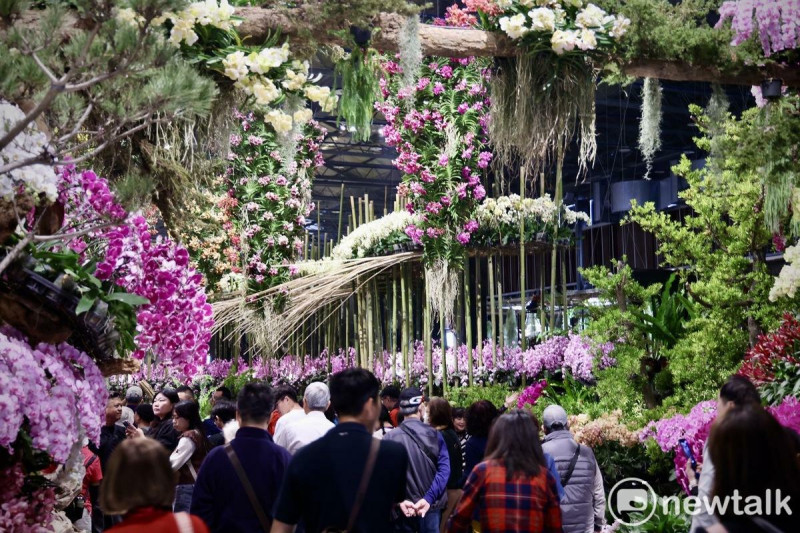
347 456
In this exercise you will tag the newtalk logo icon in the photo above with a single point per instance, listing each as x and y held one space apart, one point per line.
633 502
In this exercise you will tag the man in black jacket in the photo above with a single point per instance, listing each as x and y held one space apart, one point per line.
322 482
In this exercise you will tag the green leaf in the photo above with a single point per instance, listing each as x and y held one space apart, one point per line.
125 297
85 304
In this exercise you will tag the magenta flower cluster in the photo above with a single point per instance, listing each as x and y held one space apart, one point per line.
175 326
778 22
531 394
57 392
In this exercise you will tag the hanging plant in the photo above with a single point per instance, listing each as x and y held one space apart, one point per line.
549 89
442 144
360 78
650 124
410 54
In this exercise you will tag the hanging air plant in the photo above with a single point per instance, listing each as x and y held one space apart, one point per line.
441 288
650 124
410 49
360 78
538 102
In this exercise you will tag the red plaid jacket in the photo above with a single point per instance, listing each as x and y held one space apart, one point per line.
522 504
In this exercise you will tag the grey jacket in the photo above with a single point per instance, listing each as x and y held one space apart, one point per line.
424 478
584 502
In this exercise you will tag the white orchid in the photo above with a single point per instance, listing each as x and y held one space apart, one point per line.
514 26
542 19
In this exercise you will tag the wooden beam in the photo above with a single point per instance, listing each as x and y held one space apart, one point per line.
258 23
465 42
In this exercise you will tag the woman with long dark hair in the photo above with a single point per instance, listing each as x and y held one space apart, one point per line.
440 416
161 428
754 461
480 417
512 489
188 456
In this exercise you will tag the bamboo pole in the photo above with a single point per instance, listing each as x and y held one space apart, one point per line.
479 308
541 293
341 209
319 231
564 290
353 214
428 351
443 349
359 329
347 320
553 256
330 343
393 336
523 300
468 321
370 330
492 311
404 305
500 316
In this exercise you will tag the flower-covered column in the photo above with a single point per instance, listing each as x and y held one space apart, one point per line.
439 128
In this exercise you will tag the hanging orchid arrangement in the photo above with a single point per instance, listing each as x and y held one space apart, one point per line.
253 225
439 128
550 86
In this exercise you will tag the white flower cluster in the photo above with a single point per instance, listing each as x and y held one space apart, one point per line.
231 283
323 96
30 142
250 74
788 280
254 72
366 236
549 16
509 210
207 13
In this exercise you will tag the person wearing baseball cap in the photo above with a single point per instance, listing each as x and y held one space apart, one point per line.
428 465
133 396
583 504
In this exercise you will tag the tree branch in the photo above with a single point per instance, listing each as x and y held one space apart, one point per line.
73 235
13 253
78 125
44 103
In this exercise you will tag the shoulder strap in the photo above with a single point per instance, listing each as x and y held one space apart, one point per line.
248 488
566 477
184 522
421 446
362 487
91 460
